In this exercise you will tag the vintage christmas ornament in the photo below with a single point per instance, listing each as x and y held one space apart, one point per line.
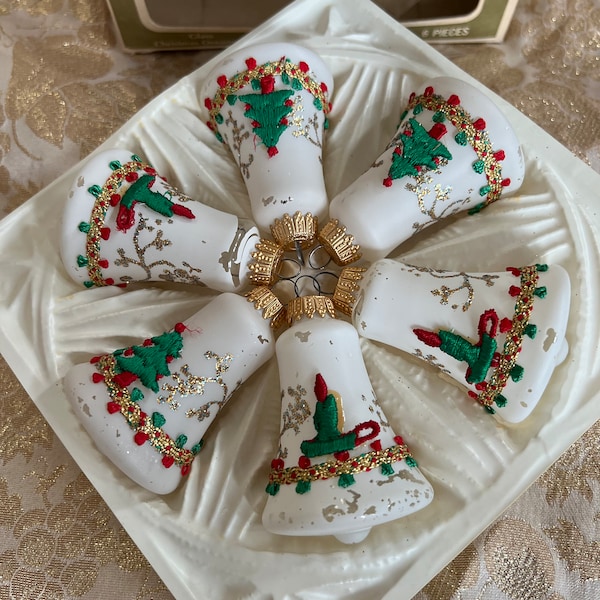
453 151
339 468
500 335
124 223
148 406
270 104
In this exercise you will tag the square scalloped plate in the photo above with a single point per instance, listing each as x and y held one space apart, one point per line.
206 539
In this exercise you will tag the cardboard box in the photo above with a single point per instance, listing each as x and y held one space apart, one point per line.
151 25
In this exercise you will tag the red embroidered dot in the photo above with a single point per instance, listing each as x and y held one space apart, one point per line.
97 377
133 176
376 445
505 182
514 291
472 394
505 325
147 342
479 124
277 463
272 151
499 155
398 439
150 170
103 263
222 80
343 456
428 91
115 199
387 182
95 359
303 66
208 103
109 281
113 407
323 86
140 438
304 462
251 63
185 469
179 327
210 125
105 233
453 100
168 461
438 131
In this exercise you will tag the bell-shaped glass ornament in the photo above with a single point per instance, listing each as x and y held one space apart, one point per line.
270 104
453 151
147 406
499 334
124 223
340 469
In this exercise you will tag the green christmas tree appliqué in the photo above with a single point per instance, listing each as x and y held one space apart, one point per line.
150 361
419 149
269 110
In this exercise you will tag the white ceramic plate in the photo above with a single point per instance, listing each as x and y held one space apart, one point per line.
206 539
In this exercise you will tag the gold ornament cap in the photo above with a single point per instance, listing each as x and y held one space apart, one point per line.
297 229
270 305
267 261
339 245
309 306
344 295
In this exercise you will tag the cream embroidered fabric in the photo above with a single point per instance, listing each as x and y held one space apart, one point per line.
65 85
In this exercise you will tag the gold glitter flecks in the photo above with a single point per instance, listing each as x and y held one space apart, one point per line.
187 384
445 293
294 415
239 134
311 130
334 468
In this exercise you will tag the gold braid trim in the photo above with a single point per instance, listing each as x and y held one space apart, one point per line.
335 468
514 338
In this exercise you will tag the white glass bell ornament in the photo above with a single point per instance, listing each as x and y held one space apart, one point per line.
333 473
269 103
453 151
124 223
148 406
498 334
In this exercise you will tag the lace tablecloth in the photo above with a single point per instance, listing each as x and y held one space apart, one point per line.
65 85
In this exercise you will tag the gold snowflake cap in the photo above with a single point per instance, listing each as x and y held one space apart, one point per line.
339 244
344 295
299 228
270 305
267 260
309 306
